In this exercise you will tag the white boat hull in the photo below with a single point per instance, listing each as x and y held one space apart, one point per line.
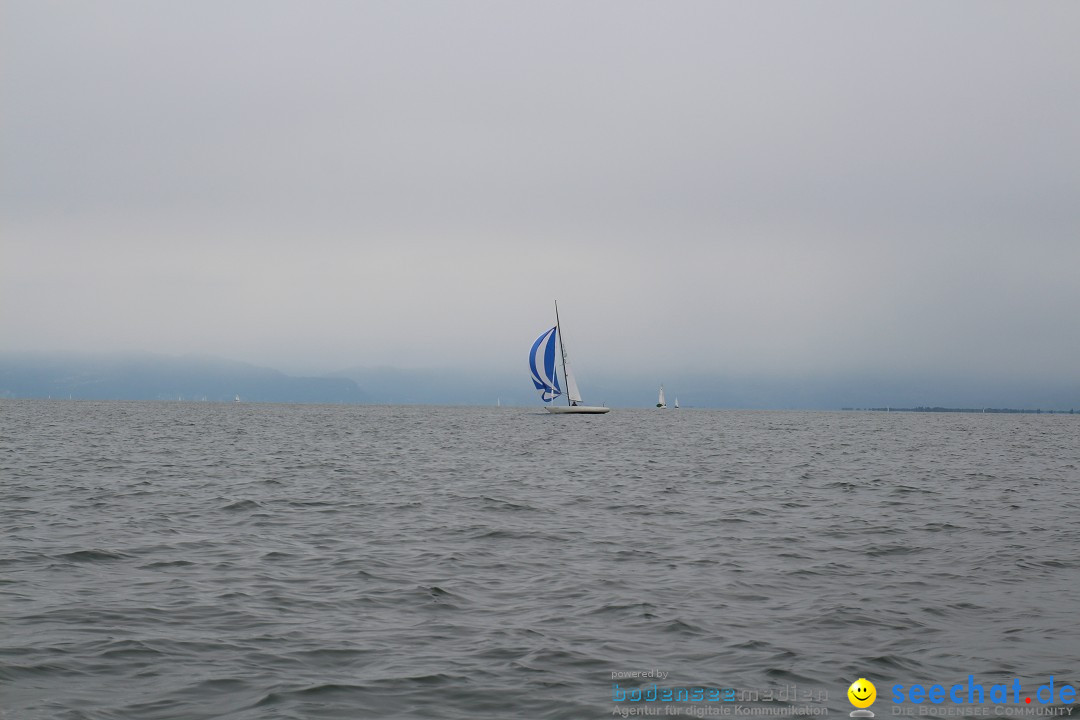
577 409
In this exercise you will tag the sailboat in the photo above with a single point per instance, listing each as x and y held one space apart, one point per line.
661 403
546 378
676 402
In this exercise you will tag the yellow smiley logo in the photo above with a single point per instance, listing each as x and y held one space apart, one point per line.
862 693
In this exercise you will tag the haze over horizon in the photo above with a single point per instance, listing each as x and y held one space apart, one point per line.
728 190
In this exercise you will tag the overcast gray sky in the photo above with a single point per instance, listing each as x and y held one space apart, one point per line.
728 187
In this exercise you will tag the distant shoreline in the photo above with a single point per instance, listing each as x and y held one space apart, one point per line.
924 409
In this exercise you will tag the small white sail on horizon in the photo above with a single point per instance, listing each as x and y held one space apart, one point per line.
661 402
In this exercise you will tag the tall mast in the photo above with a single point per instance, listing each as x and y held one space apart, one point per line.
562 350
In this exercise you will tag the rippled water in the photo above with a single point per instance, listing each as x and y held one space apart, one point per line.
267 561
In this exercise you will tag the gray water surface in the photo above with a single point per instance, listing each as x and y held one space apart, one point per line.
183 560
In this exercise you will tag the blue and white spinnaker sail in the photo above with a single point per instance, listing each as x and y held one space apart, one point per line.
542 365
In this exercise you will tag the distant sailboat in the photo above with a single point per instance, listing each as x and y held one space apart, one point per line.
661 403
676 402
236 399
546 378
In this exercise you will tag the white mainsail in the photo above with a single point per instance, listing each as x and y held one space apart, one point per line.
661 403
572 391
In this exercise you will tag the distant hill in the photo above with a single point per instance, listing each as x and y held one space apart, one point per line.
400 386
145 376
